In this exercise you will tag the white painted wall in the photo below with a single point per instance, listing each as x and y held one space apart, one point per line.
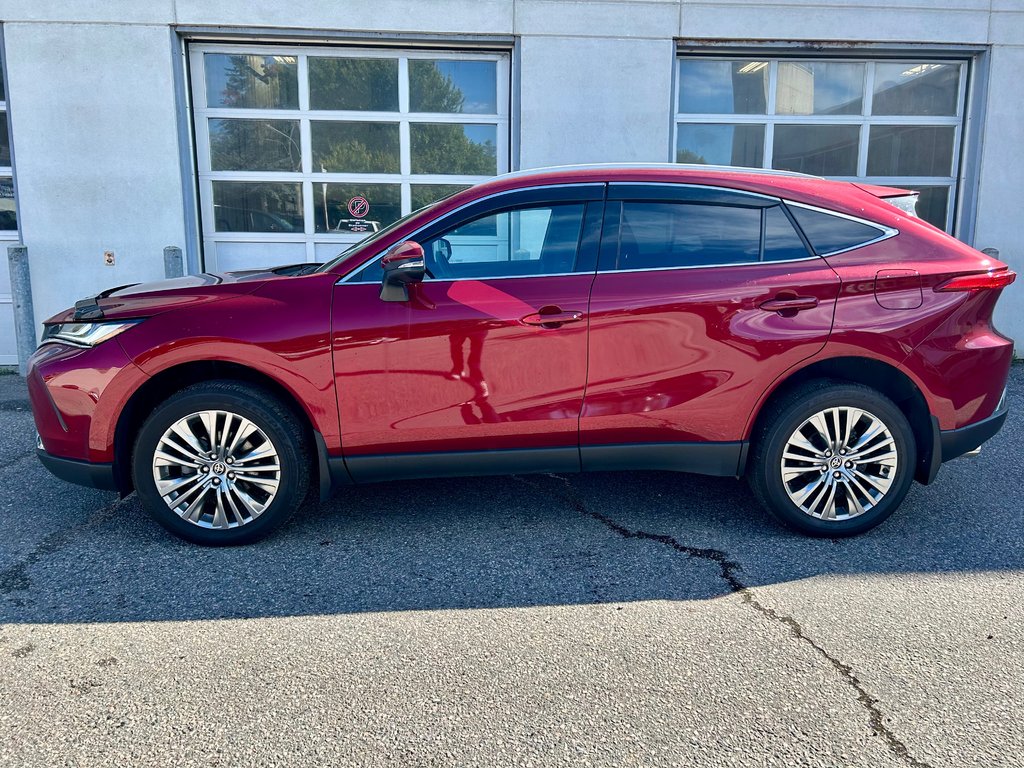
93 106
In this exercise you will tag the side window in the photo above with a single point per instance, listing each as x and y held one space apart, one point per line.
827 233
541 240
781 241
664 235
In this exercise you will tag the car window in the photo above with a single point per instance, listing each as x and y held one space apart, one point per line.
828 233
665 235
523 242
781 241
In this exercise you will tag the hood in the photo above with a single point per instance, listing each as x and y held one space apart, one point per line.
148 299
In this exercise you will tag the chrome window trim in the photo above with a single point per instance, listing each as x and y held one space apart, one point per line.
886 232
437 281
708 266
493 195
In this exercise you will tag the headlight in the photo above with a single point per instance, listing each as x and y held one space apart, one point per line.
84 334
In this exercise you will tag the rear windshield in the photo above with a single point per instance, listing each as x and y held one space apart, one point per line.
828 233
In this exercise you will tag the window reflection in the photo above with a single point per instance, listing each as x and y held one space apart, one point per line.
257 206
453 148
354 147
718 144
916 89
8 214
425 194
355 208
819 88
251 81
5 141
353 84
822 150
453 86
255 145
723 87
910 150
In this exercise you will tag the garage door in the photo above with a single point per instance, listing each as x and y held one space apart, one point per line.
303 151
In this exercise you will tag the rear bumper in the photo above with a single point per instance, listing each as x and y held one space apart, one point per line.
957 442
85 473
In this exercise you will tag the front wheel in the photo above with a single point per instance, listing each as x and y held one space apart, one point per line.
833 459
221 463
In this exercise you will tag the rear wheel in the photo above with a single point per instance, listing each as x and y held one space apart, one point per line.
833 459
221 463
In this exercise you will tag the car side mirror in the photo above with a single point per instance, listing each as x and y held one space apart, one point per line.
402 265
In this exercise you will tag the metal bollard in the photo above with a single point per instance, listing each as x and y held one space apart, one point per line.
174 266
21 296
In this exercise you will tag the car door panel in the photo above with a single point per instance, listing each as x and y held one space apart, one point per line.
681 354
465 366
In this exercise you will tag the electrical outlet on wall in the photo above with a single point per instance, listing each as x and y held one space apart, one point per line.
108 258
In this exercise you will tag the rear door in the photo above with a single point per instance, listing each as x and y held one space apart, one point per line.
703 297
483 369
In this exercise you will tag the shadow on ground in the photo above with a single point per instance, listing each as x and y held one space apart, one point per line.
482 543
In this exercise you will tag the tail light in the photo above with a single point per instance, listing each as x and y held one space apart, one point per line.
979 281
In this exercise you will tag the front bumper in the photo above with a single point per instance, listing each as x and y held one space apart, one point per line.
80 472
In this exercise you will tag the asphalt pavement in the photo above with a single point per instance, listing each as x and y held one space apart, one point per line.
640 619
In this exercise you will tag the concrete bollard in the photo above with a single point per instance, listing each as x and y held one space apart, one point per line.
174 266
21 296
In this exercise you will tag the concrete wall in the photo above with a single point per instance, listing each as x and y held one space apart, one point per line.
93 105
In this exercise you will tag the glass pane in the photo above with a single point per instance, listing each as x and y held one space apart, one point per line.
819 88
781 242
719 144
425 194
932 204
910 150
659 235
251 81
452 148
5 142
823 150
827 233
453 86
916 89
356 208
723 87
361 84
257 206
8 214
3 92
355 147
255 145
532 241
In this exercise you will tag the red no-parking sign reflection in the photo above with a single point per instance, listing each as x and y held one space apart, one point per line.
359 206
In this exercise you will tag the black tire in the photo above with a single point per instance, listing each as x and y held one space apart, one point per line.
783 419
277 423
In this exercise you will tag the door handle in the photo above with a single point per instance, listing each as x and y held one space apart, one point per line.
552 317
787 306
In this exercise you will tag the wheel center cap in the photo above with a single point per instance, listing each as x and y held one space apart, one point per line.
835 462
219 468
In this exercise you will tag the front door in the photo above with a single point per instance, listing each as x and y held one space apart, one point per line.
483 369
703 298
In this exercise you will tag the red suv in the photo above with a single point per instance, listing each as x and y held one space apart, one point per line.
804 333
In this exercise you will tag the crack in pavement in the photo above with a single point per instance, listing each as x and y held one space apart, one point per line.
15 578
728 570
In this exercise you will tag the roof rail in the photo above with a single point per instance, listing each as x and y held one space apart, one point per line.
653 166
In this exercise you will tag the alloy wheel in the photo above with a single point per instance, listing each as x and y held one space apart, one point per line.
839 463
216 469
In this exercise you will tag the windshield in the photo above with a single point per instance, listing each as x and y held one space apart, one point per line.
368 241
